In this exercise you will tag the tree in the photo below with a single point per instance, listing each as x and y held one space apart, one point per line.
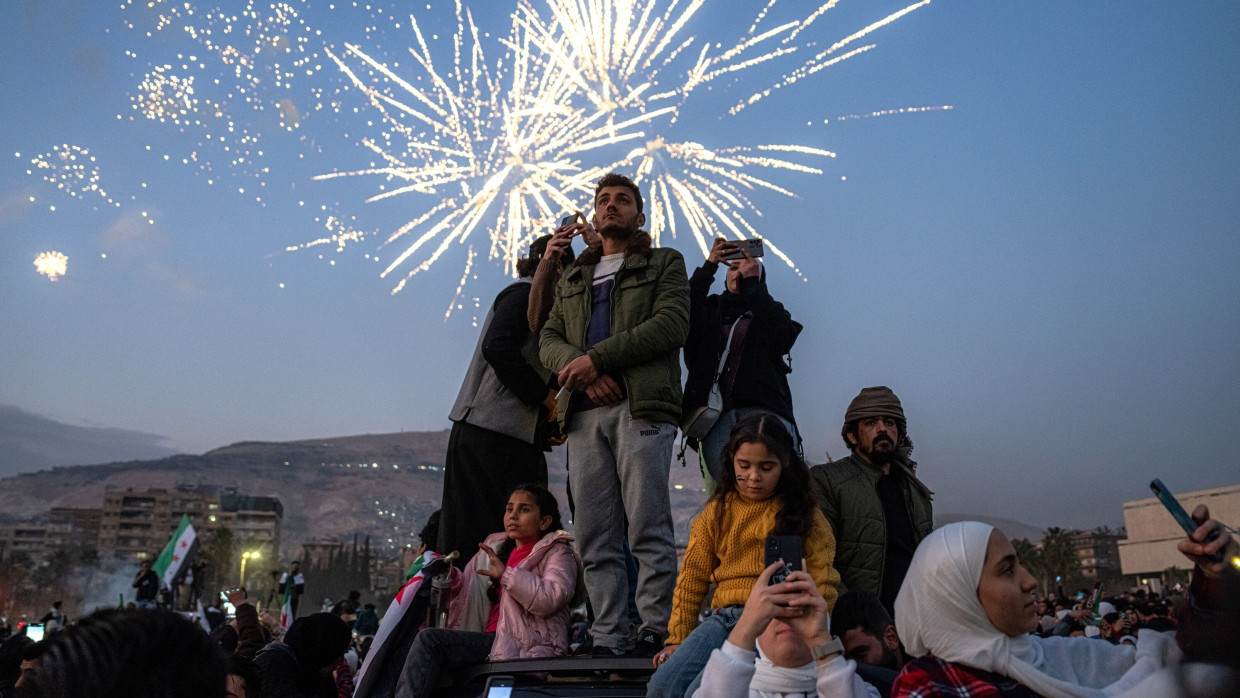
1174 575
217 552
1059 556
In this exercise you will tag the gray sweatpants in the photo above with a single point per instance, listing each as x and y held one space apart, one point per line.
620 469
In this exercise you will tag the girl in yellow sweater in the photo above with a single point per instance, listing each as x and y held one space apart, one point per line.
767 495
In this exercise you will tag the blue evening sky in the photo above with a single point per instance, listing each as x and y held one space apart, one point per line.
1045 273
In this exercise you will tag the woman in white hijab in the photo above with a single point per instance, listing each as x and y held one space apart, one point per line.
967 605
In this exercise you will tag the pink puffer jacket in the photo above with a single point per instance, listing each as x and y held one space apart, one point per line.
534 608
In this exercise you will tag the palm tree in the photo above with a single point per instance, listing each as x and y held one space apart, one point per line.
1059 555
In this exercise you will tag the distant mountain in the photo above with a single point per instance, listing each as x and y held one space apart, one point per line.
1011 529
30 442
329 487
378 485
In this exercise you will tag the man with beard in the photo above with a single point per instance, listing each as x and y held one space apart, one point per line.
867 631
877 507
620 316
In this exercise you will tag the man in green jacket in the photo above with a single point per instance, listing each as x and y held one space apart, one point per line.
877 507
614 334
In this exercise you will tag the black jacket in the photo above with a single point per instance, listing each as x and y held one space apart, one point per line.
762 374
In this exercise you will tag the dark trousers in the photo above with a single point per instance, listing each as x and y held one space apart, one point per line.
481 471
435 649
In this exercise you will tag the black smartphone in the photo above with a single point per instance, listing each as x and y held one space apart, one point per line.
498 687
752 246
1177 512
567 219
786 548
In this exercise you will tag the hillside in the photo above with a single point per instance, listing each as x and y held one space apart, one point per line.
329 487
381 485
378 485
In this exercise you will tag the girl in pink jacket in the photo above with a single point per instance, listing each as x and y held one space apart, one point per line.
512 600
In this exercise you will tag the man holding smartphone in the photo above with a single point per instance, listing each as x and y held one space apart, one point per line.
614 334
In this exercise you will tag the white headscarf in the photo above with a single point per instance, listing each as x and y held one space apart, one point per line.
938 612
770 679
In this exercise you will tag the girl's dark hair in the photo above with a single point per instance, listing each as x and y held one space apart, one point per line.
547 506
796 505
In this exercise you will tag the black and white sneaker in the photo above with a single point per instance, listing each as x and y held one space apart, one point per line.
648 645
589 649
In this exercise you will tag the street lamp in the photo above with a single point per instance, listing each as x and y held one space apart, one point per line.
247 555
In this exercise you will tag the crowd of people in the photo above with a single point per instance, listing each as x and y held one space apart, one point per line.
827 580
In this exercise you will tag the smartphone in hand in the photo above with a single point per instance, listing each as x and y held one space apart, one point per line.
786 548
1177 512
752 246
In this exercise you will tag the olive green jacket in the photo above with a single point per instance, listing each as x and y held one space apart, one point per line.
649 324
847 492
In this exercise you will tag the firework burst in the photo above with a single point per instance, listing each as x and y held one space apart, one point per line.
501 145
52 264
496 136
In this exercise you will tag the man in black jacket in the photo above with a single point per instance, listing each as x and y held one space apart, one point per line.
147 584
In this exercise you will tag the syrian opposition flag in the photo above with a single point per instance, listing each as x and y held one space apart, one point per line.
393 632
173 561
286 609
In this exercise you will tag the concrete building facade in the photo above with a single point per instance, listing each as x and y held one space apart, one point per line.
135 525
1153 534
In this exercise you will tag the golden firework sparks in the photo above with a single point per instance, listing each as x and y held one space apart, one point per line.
52 264
496 135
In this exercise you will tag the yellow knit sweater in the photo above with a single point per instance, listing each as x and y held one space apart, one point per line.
733 554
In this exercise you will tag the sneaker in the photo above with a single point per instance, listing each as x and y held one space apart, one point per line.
647 645
589 649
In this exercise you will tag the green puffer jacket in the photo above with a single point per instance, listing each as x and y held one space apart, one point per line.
649 324
847 492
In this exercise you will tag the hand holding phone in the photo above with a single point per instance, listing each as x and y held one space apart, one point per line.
787 549
752 246
1177 512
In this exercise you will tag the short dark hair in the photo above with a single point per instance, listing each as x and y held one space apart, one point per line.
11 652
526 266
139 653
860 608
851 428
615 179
429 535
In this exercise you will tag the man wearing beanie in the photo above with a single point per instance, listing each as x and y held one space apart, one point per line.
877 507
504 416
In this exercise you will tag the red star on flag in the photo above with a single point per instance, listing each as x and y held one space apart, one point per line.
176 558
184 544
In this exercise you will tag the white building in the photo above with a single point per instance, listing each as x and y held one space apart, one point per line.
1153 533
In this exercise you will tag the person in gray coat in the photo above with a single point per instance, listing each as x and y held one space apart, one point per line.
504 416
